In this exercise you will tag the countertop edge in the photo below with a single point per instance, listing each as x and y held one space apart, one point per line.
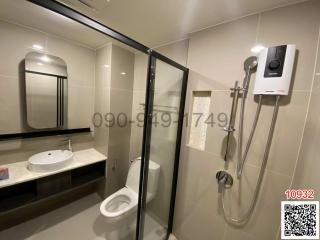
18 172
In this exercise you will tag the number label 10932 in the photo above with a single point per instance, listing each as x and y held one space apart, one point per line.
300 194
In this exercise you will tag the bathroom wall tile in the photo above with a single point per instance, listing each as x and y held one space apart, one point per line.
122 62
267 210
15 43
280 160
318 56
79 117
10 105
219 106
296 24
137 125
197 207
140 71
102 97
238 198
119 137
316 85
216 136
219 52
103 67
80 60
291 116
306 175
232 234
198 82
81 71
209 50
177 51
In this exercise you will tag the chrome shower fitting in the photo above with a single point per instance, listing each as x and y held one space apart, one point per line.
225 180
250 65
242 220
230 128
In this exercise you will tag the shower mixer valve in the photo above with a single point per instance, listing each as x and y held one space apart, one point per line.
224 179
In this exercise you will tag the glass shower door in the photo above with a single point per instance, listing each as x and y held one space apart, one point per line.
165 109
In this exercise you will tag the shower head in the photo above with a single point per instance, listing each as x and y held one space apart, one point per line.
250 64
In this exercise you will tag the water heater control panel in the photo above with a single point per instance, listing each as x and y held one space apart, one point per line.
275 66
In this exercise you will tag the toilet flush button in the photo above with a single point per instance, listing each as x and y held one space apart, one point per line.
274 64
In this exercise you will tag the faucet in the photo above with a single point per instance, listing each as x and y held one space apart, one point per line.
69 143
224 179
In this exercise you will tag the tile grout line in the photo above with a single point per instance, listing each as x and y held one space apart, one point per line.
308 108
46 33
305 122
249 164
247 15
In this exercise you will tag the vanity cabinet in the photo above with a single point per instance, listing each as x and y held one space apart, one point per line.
22 194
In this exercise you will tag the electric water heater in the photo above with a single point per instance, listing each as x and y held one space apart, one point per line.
275 65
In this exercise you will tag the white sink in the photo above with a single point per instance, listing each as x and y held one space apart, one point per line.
50 160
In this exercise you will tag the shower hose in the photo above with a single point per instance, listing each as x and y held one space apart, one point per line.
241 159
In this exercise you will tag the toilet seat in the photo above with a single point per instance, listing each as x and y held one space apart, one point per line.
121 203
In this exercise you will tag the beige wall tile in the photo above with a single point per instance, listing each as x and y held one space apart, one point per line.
122 62
140 71
264 222
233 234
215 58
177 51
102 97
307 171
137 126
218 53
11 111
288 131
15 43
197 208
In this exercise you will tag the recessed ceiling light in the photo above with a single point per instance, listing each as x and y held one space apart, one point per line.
123 73
37 47
45 58
106 66
258 48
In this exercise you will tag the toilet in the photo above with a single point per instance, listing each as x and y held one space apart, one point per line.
124 202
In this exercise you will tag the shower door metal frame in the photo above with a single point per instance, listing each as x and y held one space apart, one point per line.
153 57
75 15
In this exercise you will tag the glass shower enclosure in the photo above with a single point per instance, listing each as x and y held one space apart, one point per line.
167 82
166 86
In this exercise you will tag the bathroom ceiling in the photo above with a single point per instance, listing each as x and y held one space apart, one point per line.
151 22
156 22
30 15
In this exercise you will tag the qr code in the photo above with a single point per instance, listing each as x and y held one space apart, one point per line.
300 220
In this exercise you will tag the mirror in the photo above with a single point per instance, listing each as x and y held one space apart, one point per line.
46 91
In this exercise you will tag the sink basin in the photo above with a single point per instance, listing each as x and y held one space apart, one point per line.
50 160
